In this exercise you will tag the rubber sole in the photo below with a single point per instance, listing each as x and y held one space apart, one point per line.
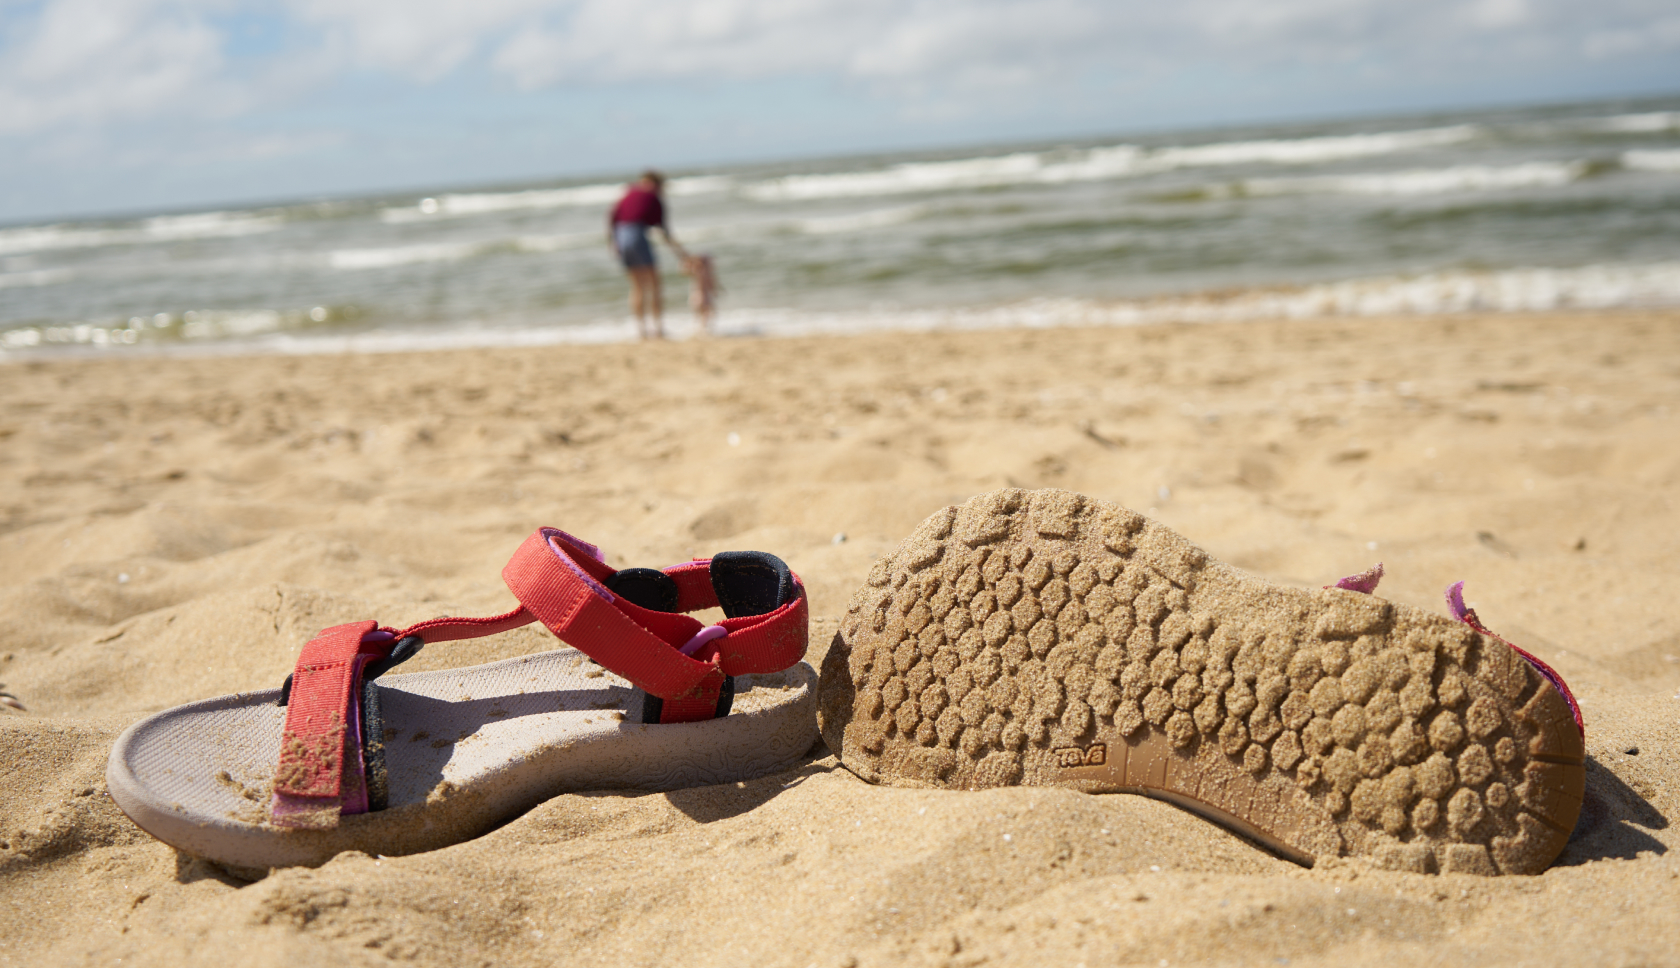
465 749
1042 638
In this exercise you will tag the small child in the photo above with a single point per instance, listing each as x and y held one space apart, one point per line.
703 290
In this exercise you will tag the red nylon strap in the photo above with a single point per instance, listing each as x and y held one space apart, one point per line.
560 582
583 613
588 617
450 629
694 585
756 643
765 643
312 746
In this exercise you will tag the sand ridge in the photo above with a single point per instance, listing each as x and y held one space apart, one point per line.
176 529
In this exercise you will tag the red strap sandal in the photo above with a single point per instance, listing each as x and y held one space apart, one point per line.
344 758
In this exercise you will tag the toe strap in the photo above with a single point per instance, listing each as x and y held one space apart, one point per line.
320 771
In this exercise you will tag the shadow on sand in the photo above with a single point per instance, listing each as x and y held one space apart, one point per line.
1613 822
707 804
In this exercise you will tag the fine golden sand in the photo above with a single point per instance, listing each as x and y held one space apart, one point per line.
176 529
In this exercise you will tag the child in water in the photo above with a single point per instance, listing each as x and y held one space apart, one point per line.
703 289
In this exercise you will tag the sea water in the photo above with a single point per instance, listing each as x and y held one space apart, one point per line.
1538 209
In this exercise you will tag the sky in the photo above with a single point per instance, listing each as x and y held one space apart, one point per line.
110 106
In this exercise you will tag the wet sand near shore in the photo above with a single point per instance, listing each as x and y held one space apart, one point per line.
173 529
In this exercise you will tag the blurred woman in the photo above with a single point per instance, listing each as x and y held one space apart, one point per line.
641 210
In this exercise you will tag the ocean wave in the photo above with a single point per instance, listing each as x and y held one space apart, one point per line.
1596 287
402 255
147 331
1650 122
1652 160
1095 164
264 332
162 228
697 185
34 277
1513 290
862 221
1510 290
1307 151
482 203
900 179
558 242
1419 181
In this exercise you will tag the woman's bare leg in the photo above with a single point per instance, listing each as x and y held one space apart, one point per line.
645 298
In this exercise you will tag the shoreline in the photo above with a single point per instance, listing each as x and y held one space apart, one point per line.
1652 287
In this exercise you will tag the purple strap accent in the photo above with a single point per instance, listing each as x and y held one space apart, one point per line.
1365 581
554 538
701 637
306 813
1455 602
578 543
355 798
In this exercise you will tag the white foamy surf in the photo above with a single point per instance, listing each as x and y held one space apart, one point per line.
481 203
34 277
1095 164
1518 290
401 255
1664 160
1649 122
1423 181
162 228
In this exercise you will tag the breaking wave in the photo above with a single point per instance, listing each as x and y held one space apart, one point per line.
1512 290
1095 164
1423 181
162 228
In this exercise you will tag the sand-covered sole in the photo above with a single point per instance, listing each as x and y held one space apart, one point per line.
466 749
1047 639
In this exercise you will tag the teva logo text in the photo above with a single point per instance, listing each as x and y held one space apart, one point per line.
1074 756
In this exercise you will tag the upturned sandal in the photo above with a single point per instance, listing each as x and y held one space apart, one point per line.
345 757
1047 639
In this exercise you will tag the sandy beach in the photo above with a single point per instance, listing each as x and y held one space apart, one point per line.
173 529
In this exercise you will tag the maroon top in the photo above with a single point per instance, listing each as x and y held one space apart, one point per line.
641 206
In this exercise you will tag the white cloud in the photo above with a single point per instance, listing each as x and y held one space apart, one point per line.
89 62
593 41
950 44
80 63
1499 13
419 39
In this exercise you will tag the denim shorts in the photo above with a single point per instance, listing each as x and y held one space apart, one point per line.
633 247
